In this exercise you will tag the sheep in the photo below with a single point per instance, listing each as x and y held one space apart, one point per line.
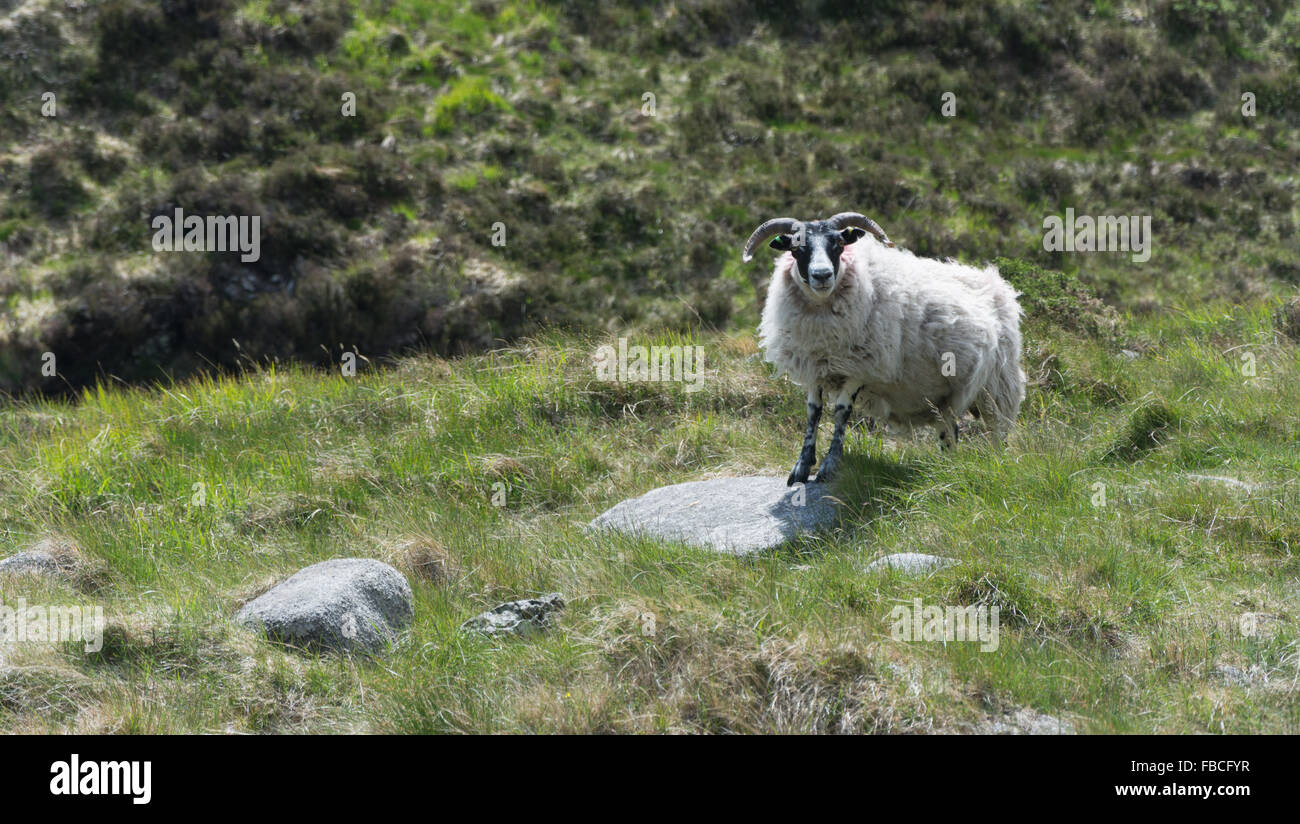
920 340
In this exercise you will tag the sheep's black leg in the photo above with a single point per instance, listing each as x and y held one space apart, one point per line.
947 425
808 455
843 407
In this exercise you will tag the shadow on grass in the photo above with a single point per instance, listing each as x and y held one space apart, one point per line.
869 487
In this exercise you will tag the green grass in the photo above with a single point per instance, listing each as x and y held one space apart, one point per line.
1115 614
464 100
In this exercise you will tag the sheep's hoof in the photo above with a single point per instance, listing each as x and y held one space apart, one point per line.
799 474
827 470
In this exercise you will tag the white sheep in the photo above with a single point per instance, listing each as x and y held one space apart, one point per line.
922 341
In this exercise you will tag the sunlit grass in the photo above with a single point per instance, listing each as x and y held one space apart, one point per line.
1121 580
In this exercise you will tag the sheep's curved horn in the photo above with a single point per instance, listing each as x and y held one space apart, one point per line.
844 219
770 229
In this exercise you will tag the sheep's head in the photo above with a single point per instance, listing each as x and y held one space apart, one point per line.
816 245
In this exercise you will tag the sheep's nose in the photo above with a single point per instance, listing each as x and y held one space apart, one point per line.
819 277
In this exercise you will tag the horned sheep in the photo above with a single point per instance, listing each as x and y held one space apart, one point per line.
911 340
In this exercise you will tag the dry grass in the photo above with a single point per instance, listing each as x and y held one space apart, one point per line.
423 558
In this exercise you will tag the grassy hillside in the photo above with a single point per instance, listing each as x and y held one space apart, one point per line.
617 213
199 441
1122 615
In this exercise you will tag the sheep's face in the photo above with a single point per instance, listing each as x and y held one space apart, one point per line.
816 246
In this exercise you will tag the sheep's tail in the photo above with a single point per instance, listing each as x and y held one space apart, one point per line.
999 403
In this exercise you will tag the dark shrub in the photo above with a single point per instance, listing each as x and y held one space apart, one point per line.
1148 427
1287 319
1057 298
53 187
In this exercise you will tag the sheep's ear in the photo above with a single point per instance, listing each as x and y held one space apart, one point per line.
851 234
782 242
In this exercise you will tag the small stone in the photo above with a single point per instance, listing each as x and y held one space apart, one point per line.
1237 677
348 604
49 556
31 562
1025 721
523 617
1129 354
910 563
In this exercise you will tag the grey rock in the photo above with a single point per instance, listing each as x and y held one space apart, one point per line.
1237 677
31 562
1129 354
523 617
348 604
1025 721
737 516
911 563
54 556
